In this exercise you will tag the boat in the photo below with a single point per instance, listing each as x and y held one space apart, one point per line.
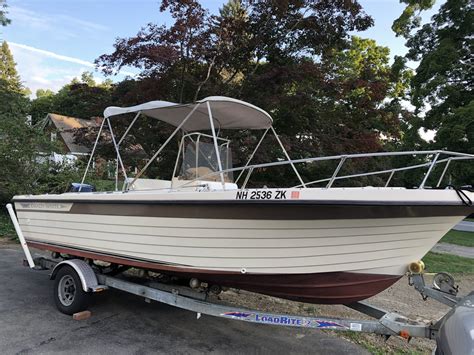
311 243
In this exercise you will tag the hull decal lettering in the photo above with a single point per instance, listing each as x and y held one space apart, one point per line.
284 320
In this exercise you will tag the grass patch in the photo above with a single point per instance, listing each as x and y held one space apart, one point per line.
459 238
367 342
362 341
448 263
469 219
6 227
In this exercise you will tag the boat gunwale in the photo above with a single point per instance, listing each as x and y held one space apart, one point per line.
296 202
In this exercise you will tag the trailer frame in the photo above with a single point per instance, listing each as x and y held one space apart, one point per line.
385 323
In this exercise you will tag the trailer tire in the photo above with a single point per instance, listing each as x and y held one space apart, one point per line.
69 296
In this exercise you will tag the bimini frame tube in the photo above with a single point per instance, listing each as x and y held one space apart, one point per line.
119 158
252 155
333 177
288 157
118 147
444 172
129 127
177 160
430 169
92 154
26 250
389 178
216 146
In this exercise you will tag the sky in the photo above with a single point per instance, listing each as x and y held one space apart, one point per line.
54 41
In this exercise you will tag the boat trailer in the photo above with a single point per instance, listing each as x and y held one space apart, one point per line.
76 279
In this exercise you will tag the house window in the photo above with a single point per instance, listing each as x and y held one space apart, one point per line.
54 136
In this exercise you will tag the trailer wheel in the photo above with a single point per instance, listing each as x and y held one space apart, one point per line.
69 296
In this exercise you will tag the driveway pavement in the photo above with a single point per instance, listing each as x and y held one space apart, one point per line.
124 324
454 249
465 226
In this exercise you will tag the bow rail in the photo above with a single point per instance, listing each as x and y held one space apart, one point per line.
451 156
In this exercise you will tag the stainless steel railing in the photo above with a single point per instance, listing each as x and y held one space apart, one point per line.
451 156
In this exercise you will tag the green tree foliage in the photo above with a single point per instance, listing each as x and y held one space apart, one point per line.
8 72
19 142
410 18
24 150
13 100
42 105
19 145
444 79
3 13
82 98
442 86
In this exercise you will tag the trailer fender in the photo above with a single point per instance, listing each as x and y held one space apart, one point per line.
85 272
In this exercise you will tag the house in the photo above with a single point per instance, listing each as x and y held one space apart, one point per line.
62 129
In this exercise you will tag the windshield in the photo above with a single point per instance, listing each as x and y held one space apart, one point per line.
199 160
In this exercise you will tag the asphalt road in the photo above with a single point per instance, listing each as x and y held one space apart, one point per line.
125 324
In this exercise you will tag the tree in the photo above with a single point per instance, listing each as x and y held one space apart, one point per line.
327 92
82 98
8 72
12 93
19 143
444 80
42 105
442 89
3 13
347 102
410 18
24 150
88 79
367 90
199 50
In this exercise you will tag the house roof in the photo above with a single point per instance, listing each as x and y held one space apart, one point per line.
67 127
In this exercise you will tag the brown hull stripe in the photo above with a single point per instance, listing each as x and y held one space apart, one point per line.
268 210
328 287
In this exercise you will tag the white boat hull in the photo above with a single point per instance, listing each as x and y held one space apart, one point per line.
376 246
307 243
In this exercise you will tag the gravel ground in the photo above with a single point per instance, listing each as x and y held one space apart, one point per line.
400 298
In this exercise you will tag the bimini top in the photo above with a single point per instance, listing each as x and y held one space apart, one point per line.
227 113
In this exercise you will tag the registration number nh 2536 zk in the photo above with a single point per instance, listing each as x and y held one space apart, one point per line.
261 195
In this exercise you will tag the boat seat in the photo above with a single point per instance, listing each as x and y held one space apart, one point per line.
204 172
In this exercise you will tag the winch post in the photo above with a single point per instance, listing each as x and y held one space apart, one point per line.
26 250
417 281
